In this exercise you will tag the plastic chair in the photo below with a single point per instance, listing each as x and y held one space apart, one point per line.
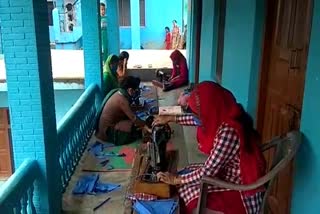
285 150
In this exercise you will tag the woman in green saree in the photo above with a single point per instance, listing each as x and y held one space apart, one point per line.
110 77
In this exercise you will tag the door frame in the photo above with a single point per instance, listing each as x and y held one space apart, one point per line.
10 149
270 13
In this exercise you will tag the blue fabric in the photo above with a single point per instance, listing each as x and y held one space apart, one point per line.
90 184
105 187
153 109
148 101
140 209
97 148
145 88
110 154
197 121
156 207
85 184
184 171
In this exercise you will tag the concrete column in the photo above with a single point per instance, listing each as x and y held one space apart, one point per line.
26 46
113 27
135 24
91 40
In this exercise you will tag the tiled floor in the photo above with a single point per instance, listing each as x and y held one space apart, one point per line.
85 204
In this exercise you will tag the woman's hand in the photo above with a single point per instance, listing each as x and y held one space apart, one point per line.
163 119
169 178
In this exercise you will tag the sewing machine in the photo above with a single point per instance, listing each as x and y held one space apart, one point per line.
156 150
153 158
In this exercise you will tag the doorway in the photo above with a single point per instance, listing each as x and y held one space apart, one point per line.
5 145
282 79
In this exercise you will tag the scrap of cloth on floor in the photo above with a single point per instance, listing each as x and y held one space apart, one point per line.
156 207
90 184
97 148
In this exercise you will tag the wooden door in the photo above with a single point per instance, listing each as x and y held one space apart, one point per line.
282 82
5 145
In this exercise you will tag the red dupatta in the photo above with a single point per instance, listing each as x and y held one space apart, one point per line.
179 65
215 105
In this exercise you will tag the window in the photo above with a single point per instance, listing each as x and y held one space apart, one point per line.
50 8
142 13
125 13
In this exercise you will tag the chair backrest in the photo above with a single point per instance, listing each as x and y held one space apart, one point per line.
285 149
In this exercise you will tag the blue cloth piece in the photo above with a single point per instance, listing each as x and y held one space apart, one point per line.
105 187
153 110
86 184
156 207
111 154
141 114
184 171
148 101
90 184
98 147
197 121
140 209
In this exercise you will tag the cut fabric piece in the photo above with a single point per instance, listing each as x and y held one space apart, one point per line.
90 184
184 171
105 187
156 207
97 148
85 185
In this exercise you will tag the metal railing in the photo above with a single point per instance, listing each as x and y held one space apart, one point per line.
75 130
16 194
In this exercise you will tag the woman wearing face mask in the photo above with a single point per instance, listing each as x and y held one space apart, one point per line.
226 134
110 77
117 123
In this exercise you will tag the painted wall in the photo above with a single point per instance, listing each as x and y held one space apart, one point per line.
242 46
306 192
64 100
1 51
208 42
159 14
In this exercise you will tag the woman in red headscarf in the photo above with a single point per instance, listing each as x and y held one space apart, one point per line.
225 133
179 74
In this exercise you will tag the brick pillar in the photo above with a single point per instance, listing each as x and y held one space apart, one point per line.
24 26
91 40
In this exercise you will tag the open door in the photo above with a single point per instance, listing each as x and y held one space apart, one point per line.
5 144
282 82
